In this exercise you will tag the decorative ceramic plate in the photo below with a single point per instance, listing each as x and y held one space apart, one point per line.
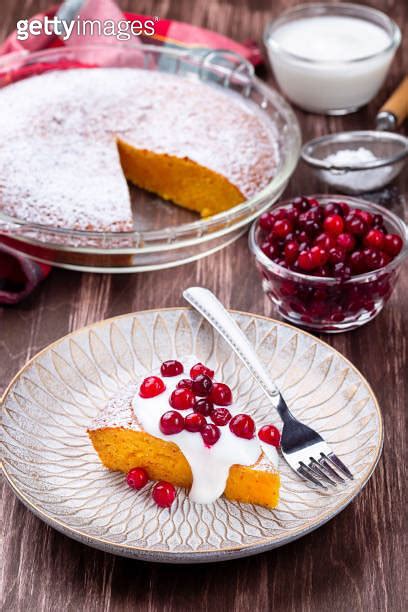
52 467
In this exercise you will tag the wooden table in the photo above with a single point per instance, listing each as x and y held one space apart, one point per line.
357 561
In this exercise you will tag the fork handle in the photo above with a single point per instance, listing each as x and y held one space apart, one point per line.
205 302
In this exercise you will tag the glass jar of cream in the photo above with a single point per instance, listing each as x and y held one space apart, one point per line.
331 58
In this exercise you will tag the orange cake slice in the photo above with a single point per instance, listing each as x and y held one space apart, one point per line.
129 433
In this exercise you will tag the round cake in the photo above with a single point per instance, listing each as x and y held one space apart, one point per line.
70 140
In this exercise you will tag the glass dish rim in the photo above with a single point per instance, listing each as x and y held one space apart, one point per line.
203 226
327 8
348 136
330 280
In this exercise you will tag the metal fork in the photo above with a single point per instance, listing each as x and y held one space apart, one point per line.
303 448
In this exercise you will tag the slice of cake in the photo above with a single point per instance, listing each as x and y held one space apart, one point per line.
187 431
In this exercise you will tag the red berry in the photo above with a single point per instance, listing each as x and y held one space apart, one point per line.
182 399
137 478
221 394
300 204
194 422
269 434
291 251
266 221
282 228
210 434
163 494
372 259
171 423
337 255
345 208
270 249
357 262
319 256
171 368
203 406
220 416
333 224
365 216
202 385
200 368
332 208
392 244
347 242
374 238
243 426
151 386
355 225
306 261
185 383
325 241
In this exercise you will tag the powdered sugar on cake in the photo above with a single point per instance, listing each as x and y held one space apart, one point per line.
59 163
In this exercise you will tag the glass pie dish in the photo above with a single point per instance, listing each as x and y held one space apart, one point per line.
166 235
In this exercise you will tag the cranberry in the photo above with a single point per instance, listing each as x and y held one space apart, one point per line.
326 241
270 249
333 224
194 422
332 208
355 225
365 216
182 399
300 204
291 251
392 244
374 238
220 416
171 368
221 394
266 221
346 242
337 255
210 434
312 228
243 426
137 478
171 423
202 385
306 261
151 386
270 435
371 258
378 221
282 228
200 368
357 262
319 256
204 407
345 208
185 383
164 494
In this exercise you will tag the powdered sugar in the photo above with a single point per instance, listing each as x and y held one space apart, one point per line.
59 163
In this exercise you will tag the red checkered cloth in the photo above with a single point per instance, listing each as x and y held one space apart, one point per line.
18 275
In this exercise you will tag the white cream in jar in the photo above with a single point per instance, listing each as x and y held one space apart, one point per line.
330 63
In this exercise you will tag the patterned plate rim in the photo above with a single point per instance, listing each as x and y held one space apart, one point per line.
213 554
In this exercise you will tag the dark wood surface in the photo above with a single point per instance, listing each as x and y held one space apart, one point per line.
355 562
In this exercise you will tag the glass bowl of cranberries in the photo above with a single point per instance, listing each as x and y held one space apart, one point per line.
329 263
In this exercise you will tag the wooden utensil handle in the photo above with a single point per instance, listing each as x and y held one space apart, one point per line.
397 104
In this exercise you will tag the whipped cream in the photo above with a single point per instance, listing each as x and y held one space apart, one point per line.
210 466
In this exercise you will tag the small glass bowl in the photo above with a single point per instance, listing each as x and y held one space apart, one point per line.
329 304
390 152
331 87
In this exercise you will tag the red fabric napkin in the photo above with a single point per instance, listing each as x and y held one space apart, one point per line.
18 275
